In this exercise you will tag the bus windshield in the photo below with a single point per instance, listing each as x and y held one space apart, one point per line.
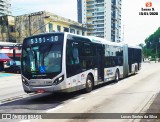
42 58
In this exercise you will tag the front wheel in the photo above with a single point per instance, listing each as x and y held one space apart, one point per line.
89 84
135 70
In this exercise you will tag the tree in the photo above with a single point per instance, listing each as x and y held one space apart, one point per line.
152 47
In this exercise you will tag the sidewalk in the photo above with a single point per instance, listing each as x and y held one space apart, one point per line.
154 108
150 62
5 74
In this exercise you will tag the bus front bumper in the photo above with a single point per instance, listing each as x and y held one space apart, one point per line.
39 89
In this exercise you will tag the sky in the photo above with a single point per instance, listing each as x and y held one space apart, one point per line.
136 28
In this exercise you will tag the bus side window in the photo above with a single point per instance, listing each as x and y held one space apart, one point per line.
107 62
75 55
69 57
120 60
113 61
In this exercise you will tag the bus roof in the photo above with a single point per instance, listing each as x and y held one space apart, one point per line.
103 41
131 46
91 38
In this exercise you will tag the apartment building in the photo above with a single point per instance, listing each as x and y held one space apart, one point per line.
102 18
5 7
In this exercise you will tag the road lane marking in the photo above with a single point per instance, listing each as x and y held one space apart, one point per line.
53 109
25 121
12 99
147 103
119 83
95 92
78 99
107 87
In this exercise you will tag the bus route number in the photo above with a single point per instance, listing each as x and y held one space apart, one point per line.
40 40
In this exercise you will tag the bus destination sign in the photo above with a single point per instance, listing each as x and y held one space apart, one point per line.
44 39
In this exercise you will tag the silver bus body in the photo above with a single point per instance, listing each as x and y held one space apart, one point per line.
62 83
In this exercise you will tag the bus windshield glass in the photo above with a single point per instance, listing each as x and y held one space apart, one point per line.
42 54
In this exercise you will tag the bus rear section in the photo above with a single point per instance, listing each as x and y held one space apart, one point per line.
132 59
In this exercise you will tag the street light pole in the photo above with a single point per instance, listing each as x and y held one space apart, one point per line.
29 19
82 29
40 28
44 24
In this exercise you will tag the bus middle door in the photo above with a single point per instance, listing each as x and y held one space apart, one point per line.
100 62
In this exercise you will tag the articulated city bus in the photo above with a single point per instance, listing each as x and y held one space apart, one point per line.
65 62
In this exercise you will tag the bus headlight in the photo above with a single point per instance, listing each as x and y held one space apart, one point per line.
25 82
58 80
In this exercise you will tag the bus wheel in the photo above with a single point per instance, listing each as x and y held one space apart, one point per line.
135 70
89 84
117 76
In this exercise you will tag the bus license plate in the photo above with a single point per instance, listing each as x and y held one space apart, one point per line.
40 83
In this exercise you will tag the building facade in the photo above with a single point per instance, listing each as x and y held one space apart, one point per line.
5 7
34 23
7 29
102 18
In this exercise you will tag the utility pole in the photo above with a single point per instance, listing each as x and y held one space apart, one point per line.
29 18
30 21
157 50
82 30
156 54
85 28
157 46
43 25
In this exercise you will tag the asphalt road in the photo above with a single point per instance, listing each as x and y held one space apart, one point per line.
130 95
10 86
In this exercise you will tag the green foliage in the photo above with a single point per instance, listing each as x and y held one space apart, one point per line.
152 47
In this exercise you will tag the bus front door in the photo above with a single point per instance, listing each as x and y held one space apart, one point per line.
100 62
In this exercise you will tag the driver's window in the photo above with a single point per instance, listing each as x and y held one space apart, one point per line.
73 66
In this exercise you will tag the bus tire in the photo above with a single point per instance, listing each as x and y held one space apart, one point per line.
135 70
117 76
89 84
